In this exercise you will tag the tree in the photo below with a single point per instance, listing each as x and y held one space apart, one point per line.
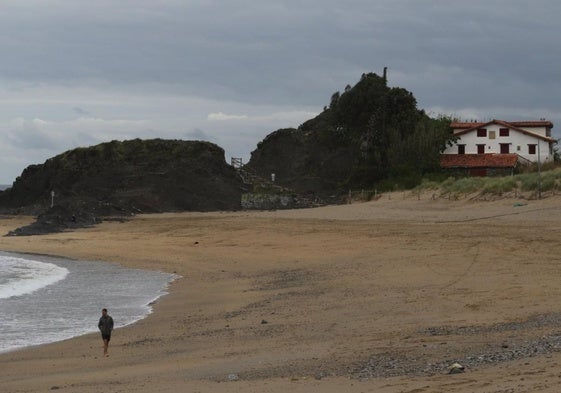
334 100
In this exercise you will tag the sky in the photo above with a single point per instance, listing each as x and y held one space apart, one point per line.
76 73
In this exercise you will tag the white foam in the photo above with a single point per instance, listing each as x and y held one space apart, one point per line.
23 276
71 307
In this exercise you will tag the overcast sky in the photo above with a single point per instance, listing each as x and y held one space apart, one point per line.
78 73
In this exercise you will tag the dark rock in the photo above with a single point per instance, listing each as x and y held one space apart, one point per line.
119 179
57 219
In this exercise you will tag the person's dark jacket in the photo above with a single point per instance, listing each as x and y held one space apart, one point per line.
105 325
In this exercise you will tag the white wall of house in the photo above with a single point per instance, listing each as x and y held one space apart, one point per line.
518 143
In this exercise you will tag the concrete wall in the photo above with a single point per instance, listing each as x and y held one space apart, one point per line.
268 202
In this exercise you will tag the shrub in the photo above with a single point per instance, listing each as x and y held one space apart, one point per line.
500 185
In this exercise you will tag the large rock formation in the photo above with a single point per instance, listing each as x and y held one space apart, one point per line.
126 177
369 134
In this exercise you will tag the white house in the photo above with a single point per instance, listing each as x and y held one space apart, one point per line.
530 140
481 144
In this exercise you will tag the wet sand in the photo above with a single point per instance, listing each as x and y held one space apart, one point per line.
369 297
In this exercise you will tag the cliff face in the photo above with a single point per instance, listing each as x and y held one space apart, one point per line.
131 176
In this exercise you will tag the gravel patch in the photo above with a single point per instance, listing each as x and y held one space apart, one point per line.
392 364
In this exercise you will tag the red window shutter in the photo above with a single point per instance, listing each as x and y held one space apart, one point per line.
504 132
505 148
531 149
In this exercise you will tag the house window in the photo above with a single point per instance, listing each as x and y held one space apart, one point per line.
480 149
505 148
461 149
481 132
492 134
531 149
504 131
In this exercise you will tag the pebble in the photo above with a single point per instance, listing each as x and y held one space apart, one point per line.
233 377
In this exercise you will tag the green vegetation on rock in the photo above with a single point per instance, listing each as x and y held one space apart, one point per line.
369 134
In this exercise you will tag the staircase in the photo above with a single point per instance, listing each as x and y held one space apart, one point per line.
266 194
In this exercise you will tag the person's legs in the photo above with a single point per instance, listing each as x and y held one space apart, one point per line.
106 344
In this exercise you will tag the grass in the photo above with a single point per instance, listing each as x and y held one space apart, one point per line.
549 180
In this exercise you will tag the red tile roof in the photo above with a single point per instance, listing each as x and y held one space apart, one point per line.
464 125
529 123
478 160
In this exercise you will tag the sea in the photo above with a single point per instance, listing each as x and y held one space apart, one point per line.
45 299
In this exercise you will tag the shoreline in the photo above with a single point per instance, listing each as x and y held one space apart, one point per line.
50 312
300 299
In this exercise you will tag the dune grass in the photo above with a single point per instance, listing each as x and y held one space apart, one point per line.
549 180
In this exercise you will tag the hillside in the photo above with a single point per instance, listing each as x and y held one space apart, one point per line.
124 178
369 134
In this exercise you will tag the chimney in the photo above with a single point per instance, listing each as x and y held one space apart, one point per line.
385 74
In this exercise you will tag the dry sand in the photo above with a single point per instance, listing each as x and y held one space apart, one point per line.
321 300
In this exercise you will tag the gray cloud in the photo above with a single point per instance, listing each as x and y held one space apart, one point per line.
81 111
154 68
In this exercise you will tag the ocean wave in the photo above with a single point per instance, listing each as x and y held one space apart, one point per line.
20 276
71 307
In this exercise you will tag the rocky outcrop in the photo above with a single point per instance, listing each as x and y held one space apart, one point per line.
120 178
370 134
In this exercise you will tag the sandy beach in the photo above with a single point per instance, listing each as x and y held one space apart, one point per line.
370 297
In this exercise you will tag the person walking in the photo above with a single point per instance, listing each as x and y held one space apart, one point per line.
105 326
